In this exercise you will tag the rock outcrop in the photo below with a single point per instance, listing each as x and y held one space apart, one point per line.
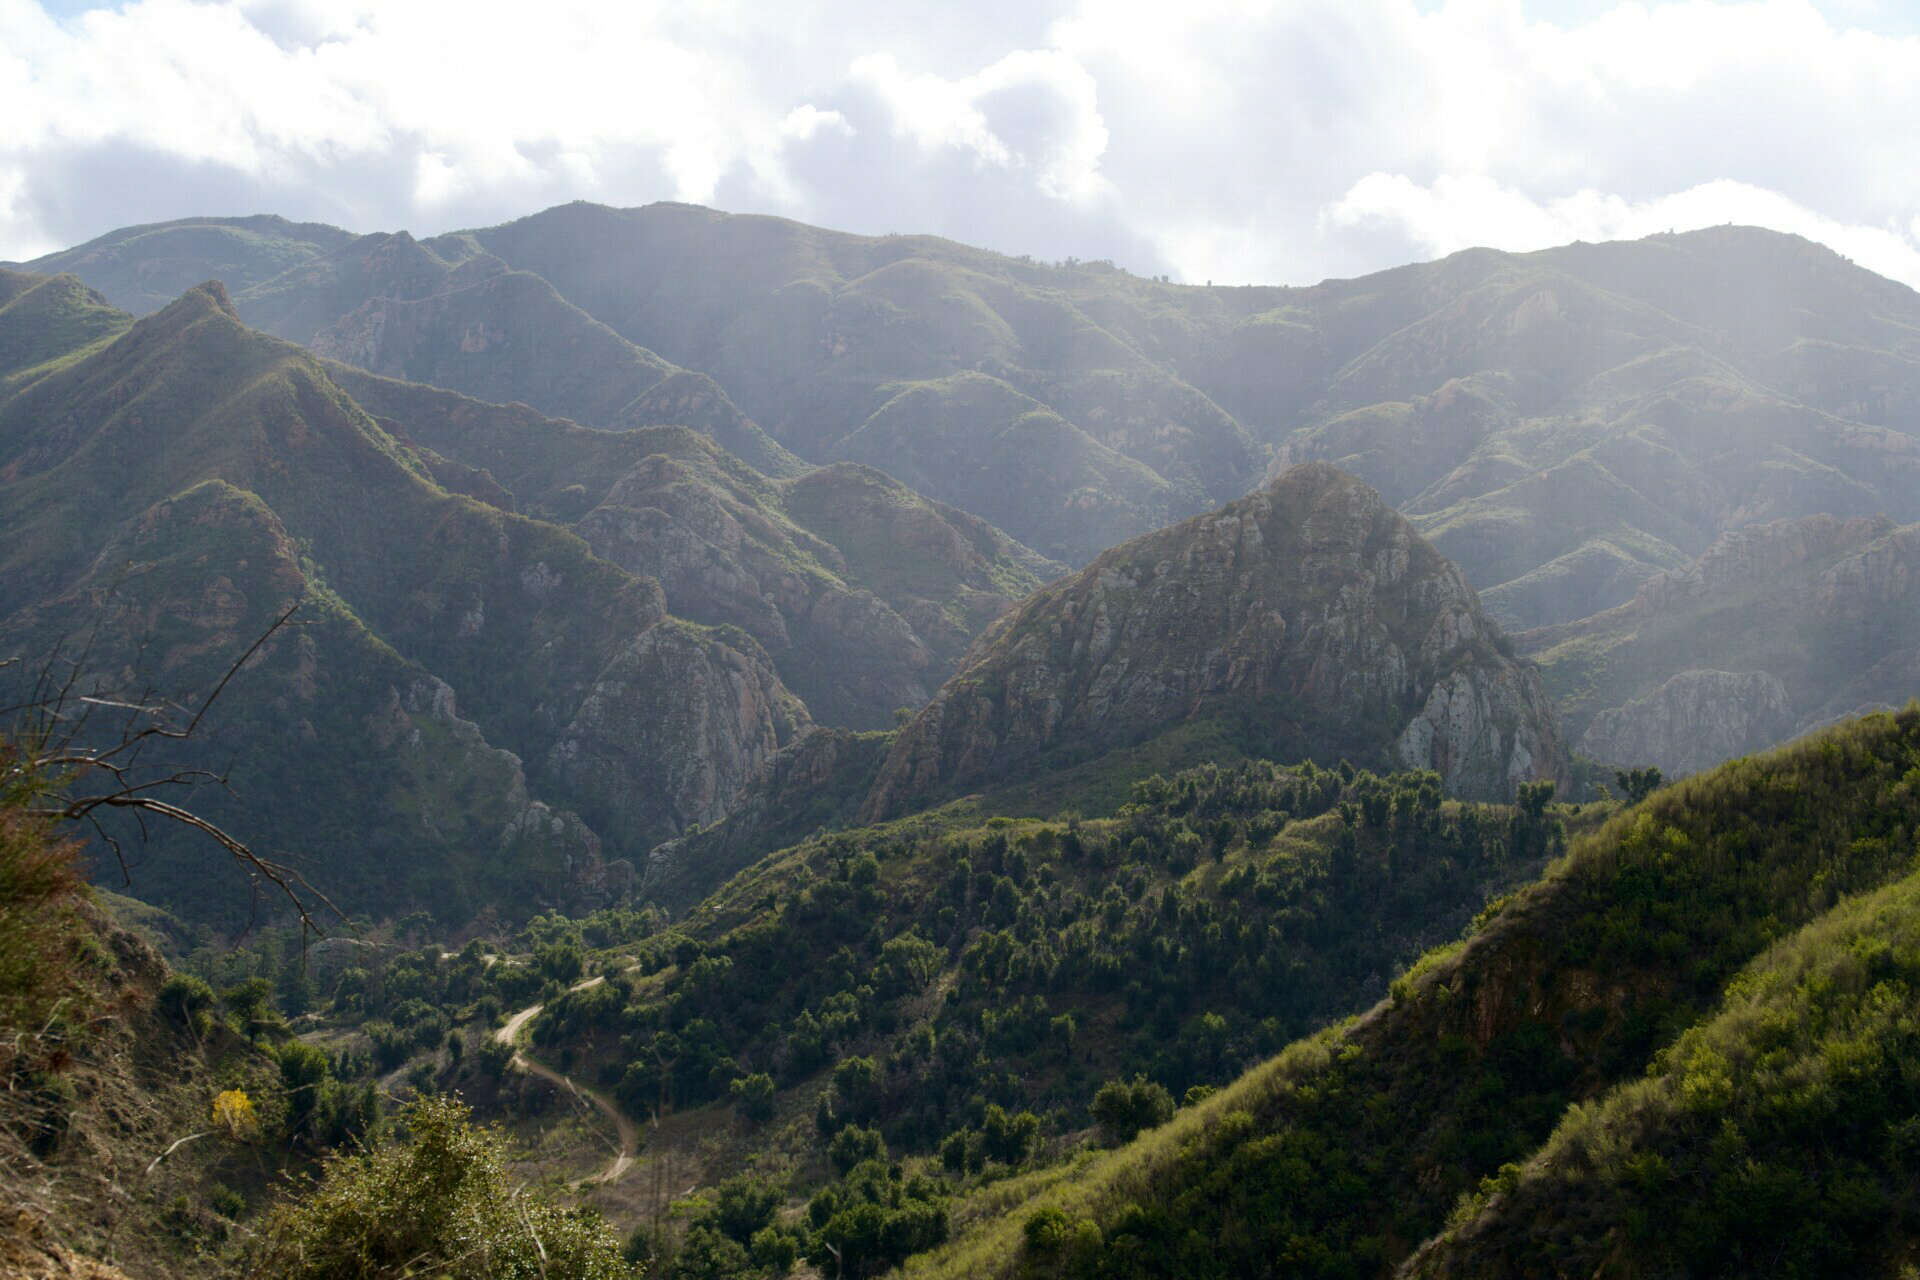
1310 616
1693 722
1757 554
816 782
673 730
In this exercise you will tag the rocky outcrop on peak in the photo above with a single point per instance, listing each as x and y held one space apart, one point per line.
1310 616
1693 722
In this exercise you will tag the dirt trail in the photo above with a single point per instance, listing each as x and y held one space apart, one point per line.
628 1132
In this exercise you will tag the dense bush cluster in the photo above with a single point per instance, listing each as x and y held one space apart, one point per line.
951 976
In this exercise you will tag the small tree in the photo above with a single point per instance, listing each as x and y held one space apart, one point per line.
1122 1110
250 1005
1638 784
853 1145
187 998
234 1115
753 1097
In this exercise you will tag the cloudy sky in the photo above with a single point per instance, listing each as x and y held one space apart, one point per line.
1278 141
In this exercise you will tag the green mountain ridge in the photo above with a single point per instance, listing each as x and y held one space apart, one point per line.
1566 424
540 641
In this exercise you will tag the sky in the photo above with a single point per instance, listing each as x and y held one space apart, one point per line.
1237 141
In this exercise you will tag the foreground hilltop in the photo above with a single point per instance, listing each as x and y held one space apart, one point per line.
1686 1050
1310 618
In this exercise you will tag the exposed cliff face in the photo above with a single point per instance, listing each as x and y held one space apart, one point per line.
817 781
1756 554
1693 721
672 731
725 554
1310 614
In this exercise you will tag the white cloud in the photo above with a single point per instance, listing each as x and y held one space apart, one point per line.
1242 140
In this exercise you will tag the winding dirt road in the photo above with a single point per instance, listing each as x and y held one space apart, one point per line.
628 1132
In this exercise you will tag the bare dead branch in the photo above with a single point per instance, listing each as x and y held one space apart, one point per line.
67 778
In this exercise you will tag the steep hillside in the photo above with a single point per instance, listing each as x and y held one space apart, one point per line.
814 329
814 332
43 318
1775 1138
1341 1155
107 1153
1794 624
1310 617
1568 423
263 484
389 305
976 442
863 593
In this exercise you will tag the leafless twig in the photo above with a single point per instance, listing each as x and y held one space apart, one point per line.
72 774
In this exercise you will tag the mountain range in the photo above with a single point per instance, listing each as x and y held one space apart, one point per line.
967 765
1566 425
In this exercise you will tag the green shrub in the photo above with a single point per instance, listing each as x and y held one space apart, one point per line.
441 1203
753 1097
1123 1109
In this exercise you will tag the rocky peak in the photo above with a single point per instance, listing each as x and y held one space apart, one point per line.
1310 615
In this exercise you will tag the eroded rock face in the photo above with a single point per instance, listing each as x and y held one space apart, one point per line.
551 844
672 731
816 781
1311 613
1693 722
722 559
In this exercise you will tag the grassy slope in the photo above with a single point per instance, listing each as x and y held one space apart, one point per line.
142 269
1340 1155
976 442
1775 1138
808 328
46 318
